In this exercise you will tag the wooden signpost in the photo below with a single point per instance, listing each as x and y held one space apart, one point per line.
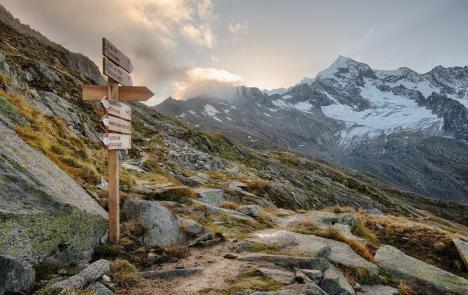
117 67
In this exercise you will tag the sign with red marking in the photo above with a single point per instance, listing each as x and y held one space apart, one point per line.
116 108
115 141
115 124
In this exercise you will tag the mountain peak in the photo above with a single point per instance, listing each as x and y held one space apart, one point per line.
343 63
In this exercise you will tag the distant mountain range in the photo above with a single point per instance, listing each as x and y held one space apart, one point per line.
407 128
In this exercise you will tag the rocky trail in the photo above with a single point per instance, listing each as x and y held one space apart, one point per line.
200 213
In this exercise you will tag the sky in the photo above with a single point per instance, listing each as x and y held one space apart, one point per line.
183 48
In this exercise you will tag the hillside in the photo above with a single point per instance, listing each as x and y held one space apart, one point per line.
189 198
407 128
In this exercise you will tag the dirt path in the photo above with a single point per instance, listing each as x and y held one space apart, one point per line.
217 272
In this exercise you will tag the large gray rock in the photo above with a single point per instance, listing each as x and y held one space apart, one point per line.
462 248
15 276
433 280
286 261
377 290
211 196
296 289
310 245
44 213
334 283
250 210
277 274
163 228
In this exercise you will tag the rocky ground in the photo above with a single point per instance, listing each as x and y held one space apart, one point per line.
201 214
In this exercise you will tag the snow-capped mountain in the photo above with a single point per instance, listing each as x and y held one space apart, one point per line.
408 128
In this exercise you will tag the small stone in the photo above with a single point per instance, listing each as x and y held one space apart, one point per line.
62 272
230 256
106 279
153 258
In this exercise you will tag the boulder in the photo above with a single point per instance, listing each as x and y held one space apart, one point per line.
310 245
209 210
191 228
318 218
163 228
44 213
250 210
277 274
432 280
286 261
212 196
334 283
462 248
100 289
313 274
295 289
377 290
170 273
15 276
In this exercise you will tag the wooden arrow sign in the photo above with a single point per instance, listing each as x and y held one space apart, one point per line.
115 141
116 108
115 124
126 93
116 73
114 54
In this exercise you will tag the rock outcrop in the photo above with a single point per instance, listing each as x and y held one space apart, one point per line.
434 280
44 214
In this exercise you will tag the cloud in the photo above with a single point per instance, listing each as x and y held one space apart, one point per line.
239 28
148 31
211 82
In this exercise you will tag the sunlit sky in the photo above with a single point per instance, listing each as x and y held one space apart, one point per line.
178 46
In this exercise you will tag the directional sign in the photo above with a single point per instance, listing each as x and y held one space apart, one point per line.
126 93
114 54
115 141
116 108
115 72
115 124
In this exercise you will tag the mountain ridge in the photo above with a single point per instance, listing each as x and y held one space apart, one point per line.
346 108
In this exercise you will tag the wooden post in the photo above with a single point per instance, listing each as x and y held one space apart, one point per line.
117 67
113 158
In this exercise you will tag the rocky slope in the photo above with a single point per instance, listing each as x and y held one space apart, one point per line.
186 192
407 128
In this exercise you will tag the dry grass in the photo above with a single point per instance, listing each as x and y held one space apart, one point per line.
177 252
405 289
246 281
50 135
123 272
309 228
421 241
230 205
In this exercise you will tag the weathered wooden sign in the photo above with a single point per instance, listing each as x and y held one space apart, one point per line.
116 73
114 54
116 141
116 124
116 108
126 93
116 67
